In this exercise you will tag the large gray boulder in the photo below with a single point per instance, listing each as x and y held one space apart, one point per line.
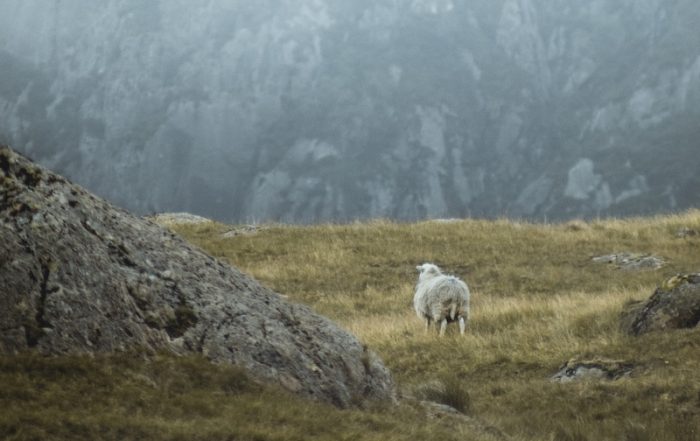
674 305
78 275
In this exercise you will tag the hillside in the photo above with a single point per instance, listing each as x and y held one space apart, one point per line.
313 110
539 301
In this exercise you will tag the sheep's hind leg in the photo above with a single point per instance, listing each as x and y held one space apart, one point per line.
427 324
443 326
462 325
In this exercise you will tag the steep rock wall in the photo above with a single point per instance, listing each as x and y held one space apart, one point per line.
303 110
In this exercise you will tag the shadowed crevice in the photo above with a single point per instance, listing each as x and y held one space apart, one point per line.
34 330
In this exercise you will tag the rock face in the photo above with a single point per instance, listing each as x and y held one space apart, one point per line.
674 305
309 110
78 275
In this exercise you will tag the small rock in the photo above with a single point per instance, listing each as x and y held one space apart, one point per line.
167 219
631 261
448 414
449 220
576 225
674 305
587 370
246 230
686 232
437 410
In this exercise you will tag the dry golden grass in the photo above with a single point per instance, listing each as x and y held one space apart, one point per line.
537 301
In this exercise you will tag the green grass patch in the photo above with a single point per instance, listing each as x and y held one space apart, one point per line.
176 398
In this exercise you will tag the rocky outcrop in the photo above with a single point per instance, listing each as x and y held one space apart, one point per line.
326 109
78 275
674 305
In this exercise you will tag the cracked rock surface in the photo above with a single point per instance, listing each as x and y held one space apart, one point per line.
78 275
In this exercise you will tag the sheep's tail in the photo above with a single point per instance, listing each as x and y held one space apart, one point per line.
453 311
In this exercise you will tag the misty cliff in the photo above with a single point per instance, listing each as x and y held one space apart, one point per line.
302 110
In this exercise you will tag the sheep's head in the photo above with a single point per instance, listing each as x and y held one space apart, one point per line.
428 270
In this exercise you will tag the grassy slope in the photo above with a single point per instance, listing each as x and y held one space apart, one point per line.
537 301
166 398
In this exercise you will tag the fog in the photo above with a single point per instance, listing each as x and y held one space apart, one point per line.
334 110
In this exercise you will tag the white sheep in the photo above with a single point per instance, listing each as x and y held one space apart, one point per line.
440 298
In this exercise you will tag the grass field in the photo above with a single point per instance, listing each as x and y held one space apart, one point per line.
537 301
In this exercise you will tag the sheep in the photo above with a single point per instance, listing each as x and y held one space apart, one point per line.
440 298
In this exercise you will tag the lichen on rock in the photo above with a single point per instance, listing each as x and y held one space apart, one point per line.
674 305
78 275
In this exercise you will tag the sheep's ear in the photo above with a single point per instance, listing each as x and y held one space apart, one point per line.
419 267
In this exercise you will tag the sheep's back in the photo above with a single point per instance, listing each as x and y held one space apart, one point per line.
435 297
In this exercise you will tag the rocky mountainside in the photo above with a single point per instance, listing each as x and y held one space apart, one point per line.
78 275
301 110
